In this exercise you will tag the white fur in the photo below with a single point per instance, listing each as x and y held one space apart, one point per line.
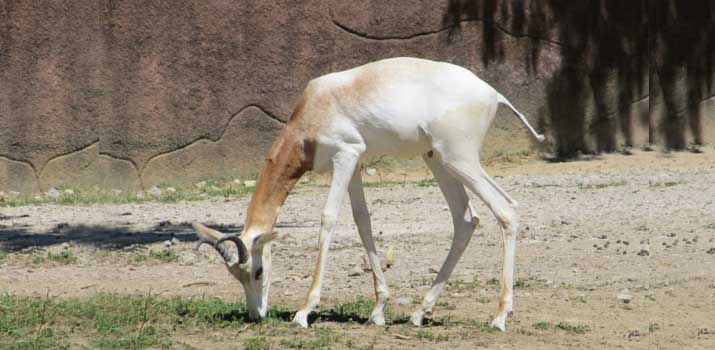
415 106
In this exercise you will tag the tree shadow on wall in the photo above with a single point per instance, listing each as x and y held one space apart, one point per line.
605 55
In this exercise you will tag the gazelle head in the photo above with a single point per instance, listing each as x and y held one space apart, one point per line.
250 263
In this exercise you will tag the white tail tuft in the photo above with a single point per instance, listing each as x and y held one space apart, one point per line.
539 137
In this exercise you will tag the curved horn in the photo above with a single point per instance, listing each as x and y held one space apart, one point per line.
211 237
242 252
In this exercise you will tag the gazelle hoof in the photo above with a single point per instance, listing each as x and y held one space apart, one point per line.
416 318
499 323
377 319
299 321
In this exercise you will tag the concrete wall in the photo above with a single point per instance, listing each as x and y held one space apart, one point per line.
127 94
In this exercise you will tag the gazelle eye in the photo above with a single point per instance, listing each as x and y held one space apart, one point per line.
259 272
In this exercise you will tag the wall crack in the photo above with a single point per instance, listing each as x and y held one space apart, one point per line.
367 36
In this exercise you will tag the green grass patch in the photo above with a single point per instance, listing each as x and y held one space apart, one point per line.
572 328
167 193
427 183
164 255
323 339
662 184
484 327
64 257
564 326
430 336
110 321
255 343
542 325
599 186
358 309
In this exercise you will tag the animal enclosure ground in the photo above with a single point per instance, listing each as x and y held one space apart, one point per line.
612 253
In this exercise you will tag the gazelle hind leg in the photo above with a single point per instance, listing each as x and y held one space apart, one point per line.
465 221
344 164
485 188
362 220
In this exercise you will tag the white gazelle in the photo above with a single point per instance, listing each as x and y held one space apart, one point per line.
401 107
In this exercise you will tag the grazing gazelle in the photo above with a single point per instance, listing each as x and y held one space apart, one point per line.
401 107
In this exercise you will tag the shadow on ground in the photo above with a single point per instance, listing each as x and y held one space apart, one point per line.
105 237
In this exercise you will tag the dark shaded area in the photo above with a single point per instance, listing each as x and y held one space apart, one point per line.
105 237
682 35
606 47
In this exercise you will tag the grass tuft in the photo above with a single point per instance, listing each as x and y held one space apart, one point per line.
323 338
64 257
572 328
255 343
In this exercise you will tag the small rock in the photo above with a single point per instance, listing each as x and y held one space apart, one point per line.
624 297
433 270
249 183
175 241
171 190
53 193
404 300
355 271
154 191
65 246
167 244
202 184
371 171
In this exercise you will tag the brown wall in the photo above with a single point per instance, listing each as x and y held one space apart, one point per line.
127 94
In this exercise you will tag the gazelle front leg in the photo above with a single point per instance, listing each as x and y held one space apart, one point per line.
344 164
362 220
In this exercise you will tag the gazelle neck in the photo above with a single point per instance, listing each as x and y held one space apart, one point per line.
287 160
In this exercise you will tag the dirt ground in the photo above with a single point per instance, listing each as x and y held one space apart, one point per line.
642 225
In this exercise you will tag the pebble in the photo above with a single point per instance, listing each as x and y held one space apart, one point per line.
167 244
249 183
371 171
355 271
624 297
175 241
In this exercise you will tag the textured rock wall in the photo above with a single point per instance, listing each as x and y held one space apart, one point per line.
127 94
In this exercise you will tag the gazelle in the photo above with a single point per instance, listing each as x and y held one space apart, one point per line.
401 107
